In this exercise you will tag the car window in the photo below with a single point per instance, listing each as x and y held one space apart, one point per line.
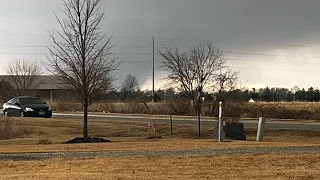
30 101
16 101
11 101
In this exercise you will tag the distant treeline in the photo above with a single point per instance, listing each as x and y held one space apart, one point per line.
262 94
284 94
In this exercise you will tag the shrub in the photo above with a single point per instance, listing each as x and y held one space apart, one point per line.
180 107
63 106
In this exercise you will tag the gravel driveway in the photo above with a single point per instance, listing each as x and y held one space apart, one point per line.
162 153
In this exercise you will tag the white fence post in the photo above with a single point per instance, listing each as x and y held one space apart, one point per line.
261 126
220 138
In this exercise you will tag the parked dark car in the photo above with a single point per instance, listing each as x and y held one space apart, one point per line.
26 106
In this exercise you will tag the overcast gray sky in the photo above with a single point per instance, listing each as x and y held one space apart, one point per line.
272 43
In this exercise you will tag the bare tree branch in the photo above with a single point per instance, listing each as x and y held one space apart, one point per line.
129 88
130 83
193 69
226 80
24 75
80 54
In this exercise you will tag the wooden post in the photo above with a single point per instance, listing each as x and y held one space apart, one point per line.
171 124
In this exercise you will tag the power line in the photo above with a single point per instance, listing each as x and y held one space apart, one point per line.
16 34
229 59
42 46
274 55
23 53
237 67
44 35
177 39
271 69
48 53
228 52
278 62
31 62
242 43
255 61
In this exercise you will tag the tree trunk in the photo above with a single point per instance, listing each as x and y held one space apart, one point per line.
85 119
198 119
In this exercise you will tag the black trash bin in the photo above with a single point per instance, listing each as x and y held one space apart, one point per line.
235 131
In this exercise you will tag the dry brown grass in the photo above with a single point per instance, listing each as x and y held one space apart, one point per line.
134 136
285 110
292 166
44 141
282 110
9 129
131 108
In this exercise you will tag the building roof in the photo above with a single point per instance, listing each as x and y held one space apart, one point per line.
50 82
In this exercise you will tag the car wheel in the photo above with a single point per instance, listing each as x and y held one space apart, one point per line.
22 114
5 113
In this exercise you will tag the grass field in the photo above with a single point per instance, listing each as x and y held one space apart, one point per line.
290 166
138 136
28 132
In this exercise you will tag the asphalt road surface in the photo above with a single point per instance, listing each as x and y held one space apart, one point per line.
253 123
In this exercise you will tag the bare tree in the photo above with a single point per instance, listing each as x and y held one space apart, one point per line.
130 83
24 75
80 54
129 88
226 80
193 70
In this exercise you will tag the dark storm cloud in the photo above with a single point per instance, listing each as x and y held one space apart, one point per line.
257 21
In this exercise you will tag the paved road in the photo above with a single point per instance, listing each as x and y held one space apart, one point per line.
270 123
252 123
162 153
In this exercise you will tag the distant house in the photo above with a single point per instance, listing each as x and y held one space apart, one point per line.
48 87
257 99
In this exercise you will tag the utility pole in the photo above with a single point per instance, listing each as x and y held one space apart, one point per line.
152 69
